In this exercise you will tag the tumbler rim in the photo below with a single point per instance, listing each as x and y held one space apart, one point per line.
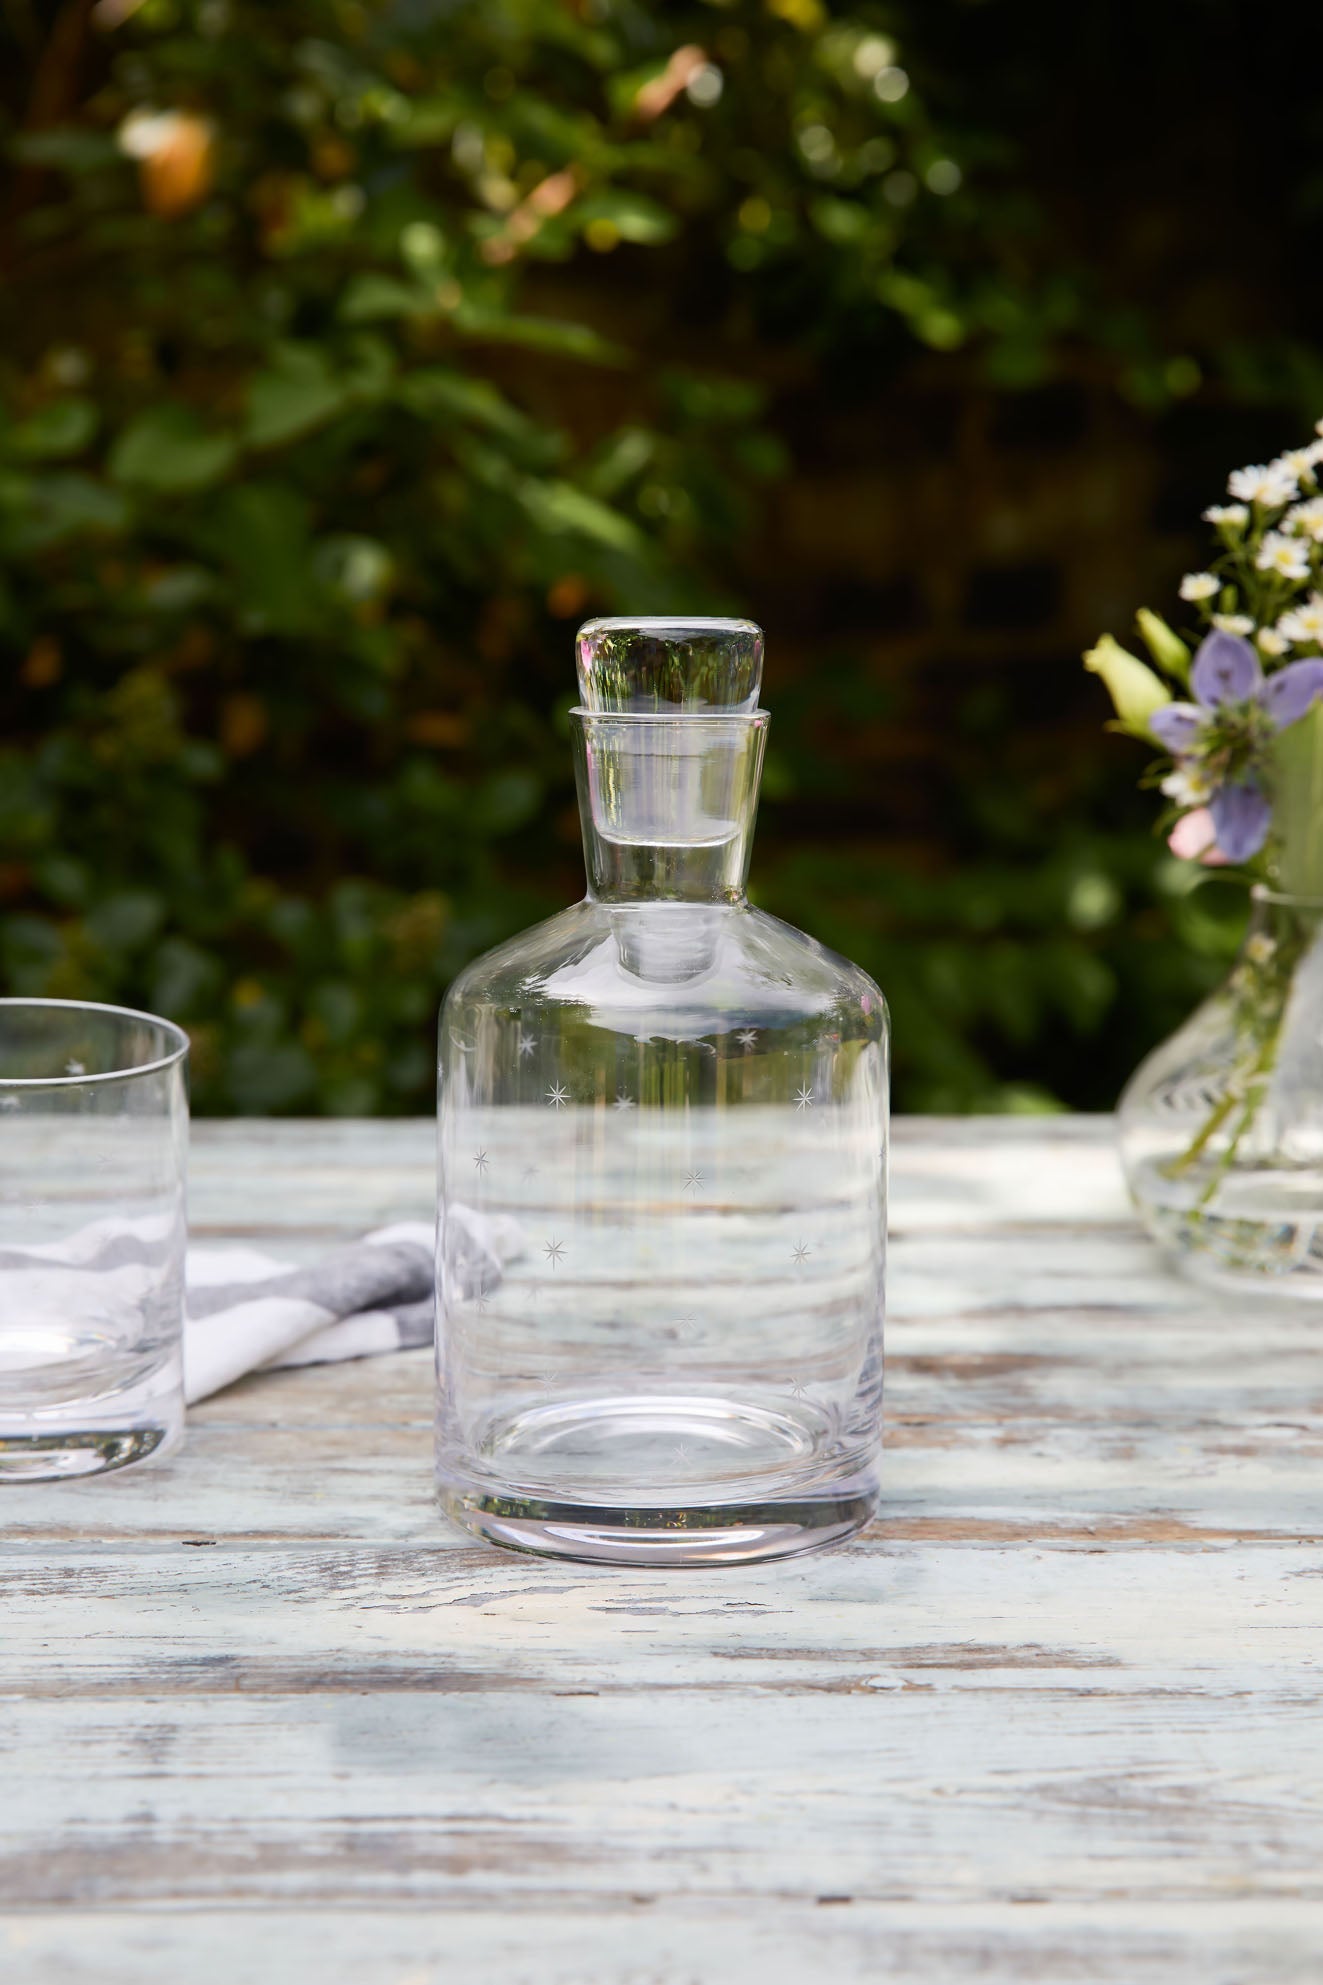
169 1027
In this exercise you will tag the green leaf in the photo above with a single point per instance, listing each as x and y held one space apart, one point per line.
39 511
167 449
426 121
625 456
70 150
260 532
372 298
1166 648
506 801
1297 794
559 506
295 394
54 433
126 920
545 334
633 215
435 389
262 1078
1134 689
844 223
369 368
354 569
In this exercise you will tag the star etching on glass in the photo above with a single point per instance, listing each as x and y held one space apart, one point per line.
747 1038
558 1096
799 1254
693 1181
803 1097
624 1102
798 1389
526 1045
481 1163
482 1297
555 1252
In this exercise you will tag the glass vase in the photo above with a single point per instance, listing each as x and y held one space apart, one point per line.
662 1165
1221 1128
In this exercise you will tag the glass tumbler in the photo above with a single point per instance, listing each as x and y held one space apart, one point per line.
93 1148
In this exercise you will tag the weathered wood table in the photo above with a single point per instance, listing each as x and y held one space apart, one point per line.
1058 1715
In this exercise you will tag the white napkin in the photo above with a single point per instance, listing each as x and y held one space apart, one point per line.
247 1310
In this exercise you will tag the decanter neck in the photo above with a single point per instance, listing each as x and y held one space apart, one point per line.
667 803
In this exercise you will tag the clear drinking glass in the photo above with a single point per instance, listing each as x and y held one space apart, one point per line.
93 1145
670 1111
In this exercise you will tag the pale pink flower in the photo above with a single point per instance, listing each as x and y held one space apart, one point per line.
1194 839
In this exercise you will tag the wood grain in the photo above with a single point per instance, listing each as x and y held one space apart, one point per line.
1056 1716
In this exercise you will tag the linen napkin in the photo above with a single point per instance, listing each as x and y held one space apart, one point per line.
246 1310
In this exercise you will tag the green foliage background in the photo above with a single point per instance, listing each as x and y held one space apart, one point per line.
476 318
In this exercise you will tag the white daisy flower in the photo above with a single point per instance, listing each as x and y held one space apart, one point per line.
1304 623
1306 519
1268 483
1234 623
1199 586
1234 514
1187 787
1300 462
1287 557
1272 642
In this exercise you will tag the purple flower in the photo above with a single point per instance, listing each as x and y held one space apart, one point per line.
1223 737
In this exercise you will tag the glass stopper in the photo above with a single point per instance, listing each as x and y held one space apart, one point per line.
664 664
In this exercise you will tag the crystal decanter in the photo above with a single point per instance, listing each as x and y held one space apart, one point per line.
662 1164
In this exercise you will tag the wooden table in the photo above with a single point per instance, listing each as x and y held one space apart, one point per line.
1057 1715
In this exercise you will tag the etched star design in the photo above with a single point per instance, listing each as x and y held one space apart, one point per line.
529 1173
803 1097
687 1327
682 1451
555 1252
481 1162
482 1298
798 1389
800 1254
747 1038
526 1045
693 1181
558 1096
624 1102
72 1067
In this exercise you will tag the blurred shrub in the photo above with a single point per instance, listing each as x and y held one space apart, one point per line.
354 351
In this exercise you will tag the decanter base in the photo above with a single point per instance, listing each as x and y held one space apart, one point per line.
728 1534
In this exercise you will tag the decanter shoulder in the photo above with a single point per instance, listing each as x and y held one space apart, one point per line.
521 966
778 952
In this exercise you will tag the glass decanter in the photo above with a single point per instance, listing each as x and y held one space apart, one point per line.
662 1157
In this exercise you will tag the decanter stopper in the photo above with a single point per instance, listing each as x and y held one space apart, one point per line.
668 665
